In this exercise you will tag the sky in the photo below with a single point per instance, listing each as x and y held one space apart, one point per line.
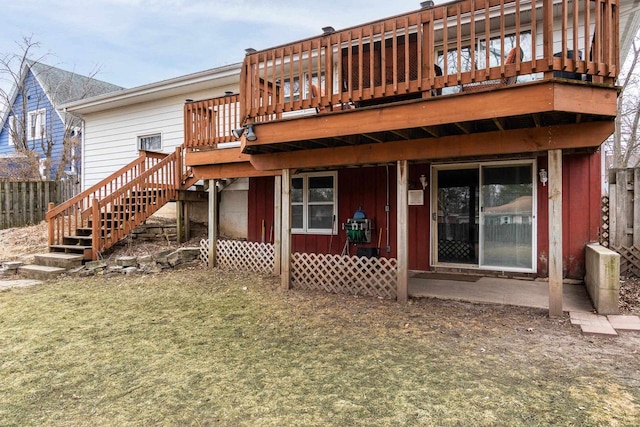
135 42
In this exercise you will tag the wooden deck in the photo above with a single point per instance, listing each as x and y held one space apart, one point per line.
463 69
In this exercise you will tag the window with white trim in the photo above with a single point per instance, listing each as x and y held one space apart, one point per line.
314 203
150 142
37 124
13 130
42 167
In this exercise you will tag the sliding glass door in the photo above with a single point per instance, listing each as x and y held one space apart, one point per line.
485 215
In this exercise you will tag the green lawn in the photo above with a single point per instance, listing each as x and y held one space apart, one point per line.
198 348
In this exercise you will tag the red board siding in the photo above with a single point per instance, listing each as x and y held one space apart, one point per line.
366 188
581 219
260 206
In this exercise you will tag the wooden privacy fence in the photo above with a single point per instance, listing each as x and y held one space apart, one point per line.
623 215
26 202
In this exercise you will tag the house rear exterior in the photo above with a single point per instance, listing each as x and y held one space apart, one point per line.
460 137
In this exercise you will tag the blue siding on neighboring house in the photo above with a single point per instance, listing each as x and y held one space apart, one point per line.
36 99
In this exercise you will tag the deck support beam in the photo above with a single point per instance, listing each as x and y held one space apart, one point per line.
555 233
277 225
180 221
213 222
402 174
285 275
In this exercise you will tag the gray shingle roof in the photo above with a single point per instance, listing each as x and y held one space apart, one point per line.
65 86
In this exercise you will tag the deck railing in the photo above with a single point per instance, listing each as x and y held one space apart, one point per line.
209 122
420 54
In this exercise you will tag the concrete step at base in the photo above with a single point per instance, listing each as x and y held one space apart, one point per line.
58 259
40 272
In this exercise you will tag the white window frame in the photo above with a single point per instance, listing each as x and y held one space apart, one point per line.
42 167
13 125
305 203
140 139
40 124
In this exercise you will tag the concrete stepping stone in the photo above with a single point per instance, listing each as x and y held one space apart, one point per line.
40 272
624 323
592 324
59 259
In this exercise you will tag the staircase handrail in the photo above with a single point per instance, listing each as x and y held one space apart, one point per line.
163 190
103 183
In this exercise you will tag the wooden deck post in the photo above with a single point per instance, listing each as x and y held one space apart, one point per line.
179 220
187 223
403 232
213 223
555 233
277 225
285 275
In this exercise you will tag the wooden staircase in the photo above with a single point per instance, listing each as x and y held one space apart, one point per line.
96 219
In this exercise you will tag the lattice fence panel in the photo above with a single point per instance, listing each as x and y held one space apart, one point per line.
241 256
604 233
344 274
204 251
629 260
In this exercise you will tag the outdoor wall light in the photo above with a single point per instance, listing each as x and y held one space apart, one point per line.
250 134
237 133
423 181
543 177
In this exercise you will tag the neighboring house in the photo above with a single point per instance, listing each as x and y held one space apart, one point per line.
34 117
489 118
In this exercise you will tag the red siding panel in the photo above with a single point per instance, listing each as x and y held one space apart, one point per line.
366 188
260 205
581 220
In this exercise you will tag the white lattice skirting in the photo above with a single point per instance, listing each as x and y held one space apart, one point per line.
345 274
241 256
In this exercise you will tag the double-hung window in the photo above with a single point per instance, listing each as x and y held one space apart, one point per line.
314 203
37 124
13 129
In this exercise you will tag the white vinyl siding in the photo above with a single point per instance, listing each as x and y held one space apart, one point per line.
110 138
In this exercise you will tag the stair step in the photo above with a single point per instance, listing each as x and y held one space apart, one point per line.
59 259
78 240
73 249
40 272
83 231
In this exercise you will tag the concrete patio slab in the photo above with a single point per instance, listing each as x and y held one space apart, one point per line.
624 323
526 293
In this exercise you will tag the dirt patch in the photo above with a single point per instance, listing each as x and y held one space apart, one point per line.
21 243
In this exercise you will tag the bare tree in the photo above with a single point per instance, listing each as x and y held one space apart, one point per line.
12 68
624 144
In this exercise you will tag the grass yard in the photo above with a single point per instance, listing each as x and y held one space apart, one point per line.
197 347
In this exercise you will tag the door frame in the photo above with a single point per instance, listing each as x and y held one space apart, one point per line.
433 214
